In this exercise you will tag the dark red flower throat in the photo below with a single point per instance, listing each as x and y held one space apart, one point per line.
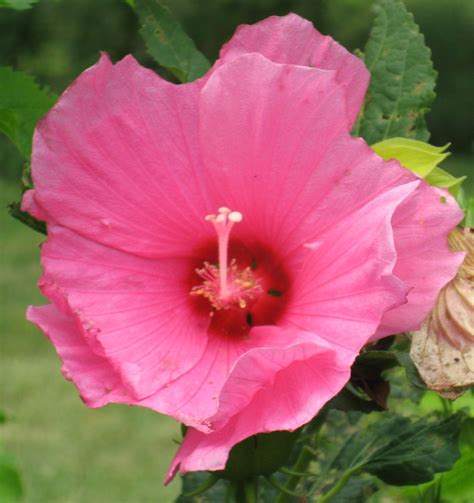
239 285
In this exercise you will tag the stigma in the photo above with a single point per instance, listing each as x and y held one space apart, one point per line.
224 284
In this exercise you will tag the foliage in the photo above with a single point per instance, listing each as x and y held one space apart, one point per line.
419 157
400 451
402 82
22 104
168 43
469 220
422 159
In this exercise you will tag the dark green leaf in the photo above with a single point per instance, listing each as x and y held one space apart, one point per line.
15 208
358 489
367 375
167 42
22 104
402 452
402 77
261 454
411 371
193 480
377 360
26 218
457 485
347 400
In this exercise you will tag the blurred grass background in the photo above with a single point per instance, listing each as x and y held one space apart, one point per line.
67 453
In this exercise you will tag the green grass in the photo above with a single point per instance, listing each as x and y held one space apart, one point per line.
67 453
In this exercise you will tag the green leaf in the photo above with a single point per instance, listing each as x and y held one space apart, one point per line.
467 204
404 359
18 4
15 208
417 156
358 489
457 485
194 480
469 219
402 82
440 178
167 42
421 158
10 483
402 452
348 400
261 454
22 104
26 218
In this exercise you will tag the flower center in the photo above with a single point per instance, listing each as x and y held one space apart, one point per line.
224 284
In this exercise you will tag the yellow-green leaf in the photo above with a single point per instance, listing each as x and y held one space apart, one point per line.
421 158
417 156
440 178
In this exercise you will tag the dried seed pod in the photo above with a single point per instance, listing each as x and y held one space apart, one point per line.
443 349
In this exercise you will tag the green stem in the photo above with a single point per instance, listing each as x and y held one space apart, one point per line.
245 491
447 406
279 487
302 463
207 484
251 490
340 484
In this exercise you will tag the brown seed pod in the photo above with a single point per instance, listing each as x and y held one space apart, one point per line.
443 349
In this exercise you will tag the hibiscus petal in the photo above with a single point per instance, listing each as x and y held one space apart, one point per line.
265 128
133 310
275 389
95 378
197 398
294 40
117 160
421 225
347 282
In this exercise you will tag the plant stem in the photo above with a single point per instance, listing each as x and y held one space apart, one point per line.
245 491
251 490
207 484
336 488
301 466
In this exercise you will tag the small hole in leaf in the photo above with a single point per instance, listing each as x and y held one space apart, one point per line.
443 199
253 264
248 319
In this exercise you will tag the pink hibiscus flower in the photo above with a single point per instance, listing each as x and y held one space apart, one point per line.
233 321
